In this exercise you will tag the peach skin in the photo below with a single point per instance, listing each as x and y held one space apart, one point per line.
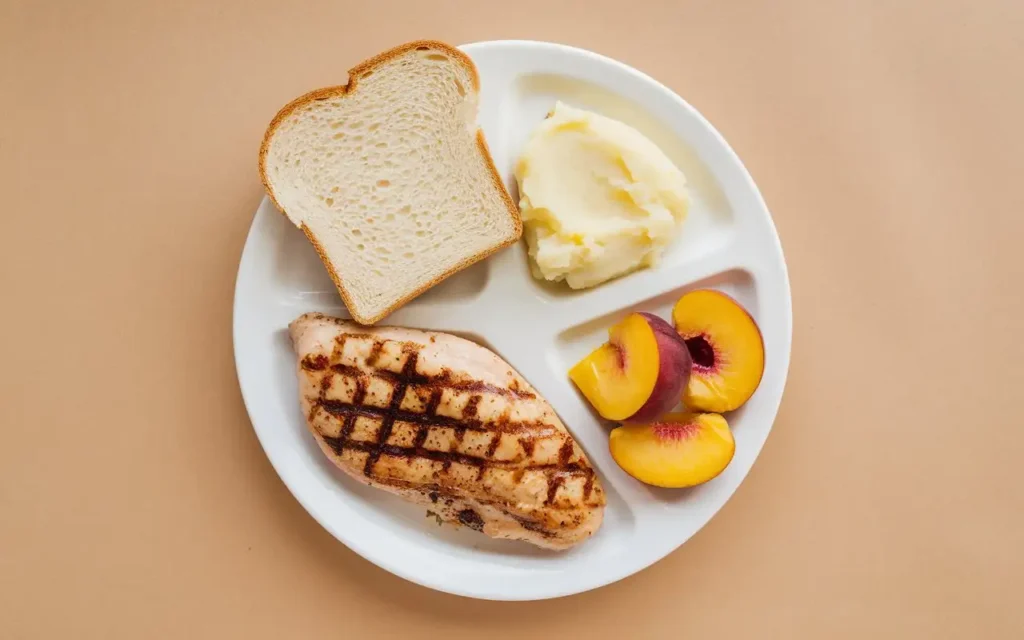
639 373
726 347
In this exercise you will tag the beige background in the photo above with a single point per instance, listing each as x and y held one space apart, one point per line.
886 137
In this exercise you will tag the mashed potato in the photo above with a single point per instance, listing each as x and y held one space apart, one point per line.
598 199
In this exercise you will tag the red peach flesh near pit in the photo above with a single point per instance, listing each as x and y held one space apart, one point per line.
674 432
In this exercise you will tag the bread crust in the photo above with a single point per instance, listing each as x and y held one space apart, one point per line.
355 73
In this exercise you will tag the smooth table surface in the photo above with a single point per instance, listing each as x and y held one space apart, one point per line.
886 137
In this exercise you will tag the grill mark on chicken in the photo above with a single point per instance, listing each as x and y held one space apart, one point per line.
460 435
339 346
315 362
444 379
430 409
344 409
371 360
527 444
325 384
470 411
432 404
493 446
530 525
421 437
565 452
350 421
388 422
556 481
338 445
476 385
588 486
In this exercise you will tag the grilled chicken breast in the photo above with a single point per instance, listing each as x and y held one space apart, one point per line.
445 423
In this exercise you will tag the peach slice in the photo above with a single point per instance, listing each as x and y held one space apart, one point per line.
726 347
639 373
677 450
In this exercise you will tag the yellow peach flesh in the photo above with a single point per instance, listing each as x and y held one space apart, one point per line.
726 347
678 450
618 377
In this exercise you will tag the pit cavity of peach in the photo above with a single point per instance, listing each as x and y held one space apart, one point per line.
726 347
703 353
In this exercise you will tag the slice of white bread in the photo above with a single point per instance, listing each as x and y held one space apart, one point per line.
389 176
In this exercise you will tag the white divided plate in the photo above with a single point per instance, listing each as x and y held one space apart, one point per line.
728 242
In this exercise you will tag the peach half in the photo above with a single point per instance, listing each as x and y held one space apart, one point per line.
676 450
726 347
639 373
